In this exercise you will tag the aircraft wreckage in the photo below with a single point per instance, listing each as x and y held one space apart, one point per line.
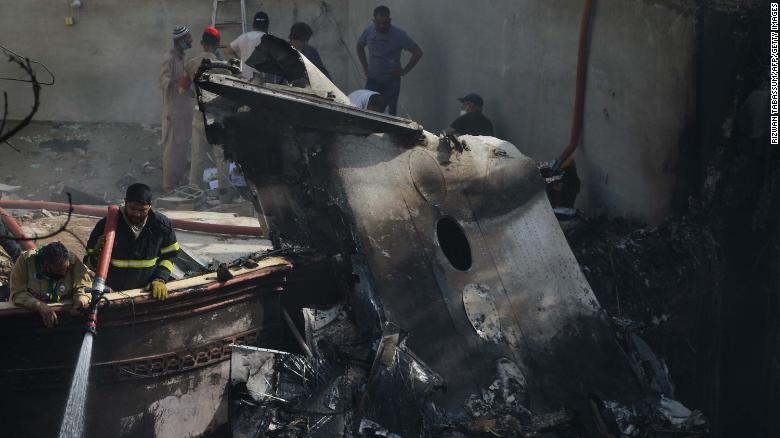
426 287
463 309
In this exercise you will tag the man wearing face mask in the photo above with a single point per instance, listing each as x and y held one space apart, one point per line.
177 110
145 245
49 274
200 146
471 120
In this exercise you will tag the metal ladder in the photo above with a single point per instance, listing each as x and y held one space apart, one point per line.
220 25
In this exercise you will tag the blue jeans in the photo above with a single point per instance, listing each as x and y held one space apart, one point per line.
389 87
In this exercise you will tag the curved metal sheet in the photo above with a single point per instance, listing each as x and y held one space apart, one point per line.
427 177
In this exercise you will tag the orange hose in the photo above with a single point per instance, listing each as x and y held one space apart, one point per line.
579 98
16 230
108 246
90 210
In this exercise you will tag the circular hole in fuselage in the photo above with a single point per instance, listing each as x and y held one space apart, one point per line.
453 243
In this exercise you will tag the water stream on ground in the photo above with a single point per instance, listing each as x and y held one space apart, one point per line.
73 420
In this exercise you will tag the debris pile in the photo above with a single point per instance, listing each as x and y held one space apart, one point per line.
464 311
644 273
338 391
652 281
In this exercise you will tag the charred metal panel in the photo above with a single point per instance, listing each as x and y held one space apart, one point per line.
452 241
296 107
501 236
275 56
402 208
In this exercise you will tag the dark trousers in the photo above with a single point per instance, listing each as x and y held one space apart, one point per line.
389 87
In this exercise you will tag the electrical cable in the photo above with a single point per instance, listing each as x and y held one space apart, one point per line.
5 112
12 146
78 239
325 10
132 305
315 25
36 90
307 412
11 52
46 236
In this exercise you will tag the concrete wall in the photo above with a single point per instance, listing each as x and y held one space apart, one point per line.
519 54
521 57
107 65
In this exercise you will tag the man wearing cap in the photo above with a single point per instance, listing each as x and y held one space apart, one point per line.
243 46
383 66
199 159
176 110
145 245
471 120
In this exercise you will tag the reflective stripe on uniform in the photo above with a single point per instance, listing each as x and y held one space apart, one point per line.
170 248
167 264
133 263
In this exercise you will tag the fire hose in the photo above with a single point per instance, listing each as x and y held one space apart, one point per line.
98 289
16 230
579 98
89 210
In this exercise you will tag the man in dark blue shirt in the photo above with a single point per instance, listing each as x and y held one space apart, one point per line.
300 34
383 66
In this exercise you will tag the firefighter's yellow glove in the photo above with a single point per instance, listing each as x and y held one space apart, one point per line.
158 288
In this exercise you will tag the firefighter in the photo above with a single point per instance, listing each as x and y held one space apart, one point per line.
49 274
145 245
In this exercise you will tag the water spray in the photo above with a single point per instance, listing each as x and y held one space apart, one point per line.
73 420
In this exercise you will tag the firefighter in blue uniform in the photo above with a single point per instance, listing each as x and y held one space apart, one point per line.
145 245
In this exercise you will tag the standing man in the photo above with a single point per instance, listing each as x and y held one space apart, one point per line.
471 120
144 245
243 46
300 34
48 275
176 110
199 160
383 68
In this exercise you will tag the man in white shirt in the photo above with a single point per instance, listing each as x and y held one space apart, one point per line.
368 100
243 46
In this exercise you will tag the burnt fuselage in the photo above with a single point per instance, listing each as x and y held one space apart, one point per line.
452 240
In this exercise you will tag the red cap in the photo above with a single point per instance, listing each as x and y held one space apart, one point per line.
212 30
